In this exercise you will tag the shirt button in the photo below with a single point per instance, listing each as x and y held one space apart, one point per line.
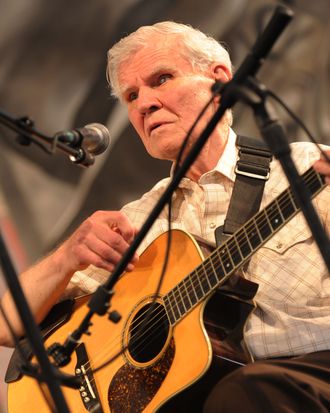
279 245
212 225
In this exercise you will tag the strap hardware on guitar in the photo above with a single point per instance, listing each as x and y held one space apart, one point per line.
253 158
252 171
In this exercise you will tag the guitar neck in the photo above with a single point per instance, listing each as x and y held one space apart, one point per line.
232 254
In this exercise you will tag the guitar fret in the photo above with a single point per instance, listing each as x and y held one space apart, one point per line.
169 309
267 218
247 238
253 235
258 231
222 269
205 280
289 207
274 216
225 259
193 296
238 247
315 182
320 180
214 276
267 229
263 227
189 302
280 209
174 306
244 244
294 202
200 279
183 297
198 287
235 252
178 300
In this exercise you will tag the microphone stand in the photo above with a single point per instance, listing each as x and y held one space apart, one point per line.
47 372
100 301
32 332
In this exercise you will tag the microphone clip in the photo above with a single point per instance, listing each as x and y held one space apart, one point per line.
88 141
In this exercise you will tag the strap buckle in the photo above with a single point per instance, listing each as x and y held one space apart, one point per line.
251 174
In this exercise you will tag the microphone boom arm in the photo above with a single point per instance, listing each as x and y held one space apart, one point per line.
78 154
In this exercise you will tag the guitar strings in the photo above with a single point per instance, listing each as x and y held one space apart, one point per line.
260 219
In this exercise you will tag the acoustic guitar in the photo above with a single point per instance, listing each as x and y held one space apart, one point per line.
163 346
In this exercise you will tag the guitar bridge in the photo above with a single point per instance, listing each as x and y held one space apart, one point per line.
88 391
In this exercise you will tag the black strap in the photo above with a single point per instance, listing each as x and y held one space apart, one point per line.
252 172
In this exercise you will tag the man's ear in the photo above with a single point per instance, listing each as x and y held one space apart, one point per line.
221 72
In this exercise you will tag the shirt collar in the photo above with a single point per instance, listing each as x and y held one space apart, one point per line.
226 163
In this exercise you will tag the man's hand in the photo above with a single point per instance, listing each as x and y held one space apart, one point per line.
101 240
323 167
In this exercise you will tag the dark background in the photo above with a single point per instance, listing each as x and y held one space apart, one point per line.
53 60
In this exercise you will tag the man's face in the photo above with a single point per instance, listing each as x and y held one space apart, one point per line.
164 96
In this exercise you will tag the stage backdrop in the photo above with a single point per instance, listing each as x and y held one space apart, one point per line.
53 60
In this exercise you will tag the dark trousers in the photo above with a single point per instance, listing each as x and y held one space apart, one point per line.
299 384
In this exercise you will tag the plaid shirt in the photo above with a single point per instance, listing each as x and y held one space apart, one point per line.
293 300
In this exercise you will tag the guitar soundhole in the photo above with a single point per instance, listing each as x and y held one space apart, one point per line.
148 333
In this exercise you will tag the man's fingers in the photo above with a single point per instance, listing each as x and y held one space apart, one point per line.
101 240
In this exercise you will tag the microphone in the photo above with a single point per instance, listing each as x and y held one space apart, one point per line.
93 138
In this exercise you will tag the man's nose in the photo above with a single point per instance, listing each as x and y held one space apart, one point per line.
148 100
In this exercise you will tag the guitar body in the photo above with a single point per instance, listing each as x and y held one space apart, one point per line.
136 380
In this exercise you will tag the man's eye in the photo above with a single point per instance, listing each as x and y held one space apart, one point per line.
162 78
132 96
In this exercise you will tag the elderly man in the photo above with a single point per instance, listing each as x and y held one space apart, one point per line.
163 74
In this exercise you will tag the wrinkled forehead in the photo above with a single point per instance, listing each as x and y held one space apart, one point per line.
152 58
158 44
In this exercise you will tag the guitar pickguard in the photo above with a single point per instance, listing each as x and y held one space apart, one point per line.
132 388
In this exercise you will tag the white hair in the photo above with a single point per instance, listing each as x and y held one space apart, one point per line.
198 48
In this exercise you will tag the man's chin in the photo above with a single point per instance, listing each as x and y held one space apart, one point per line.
164 154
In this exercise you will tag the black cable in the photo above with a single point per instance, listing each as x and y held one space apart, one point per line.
299 122
169 238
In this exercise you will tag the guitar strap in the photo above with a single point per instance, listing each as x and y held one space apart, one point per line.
235 296
252 171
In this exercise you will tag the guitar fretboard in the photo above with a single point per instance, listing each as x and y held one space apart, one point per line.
226 259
